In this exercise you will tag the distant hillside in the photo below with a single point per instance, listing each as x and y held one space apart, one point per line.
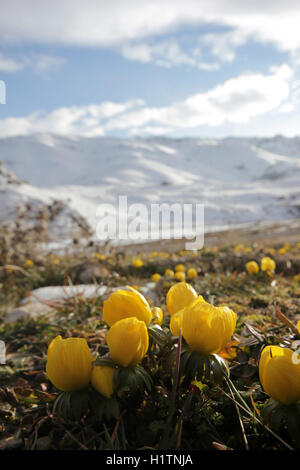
239 180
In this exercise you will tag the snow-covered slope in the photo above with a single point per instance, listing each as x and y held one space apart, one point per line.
25 207
239 180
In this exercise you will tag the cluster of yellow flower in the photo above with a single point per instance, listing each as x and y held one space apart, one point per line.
206 329
127 312
178 275
267 264
242 249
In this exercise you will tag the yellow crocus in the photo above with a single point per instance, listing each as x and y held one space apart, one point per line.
169 274
179 268
179 296
99 256
268 264
180 276
279 374
155 277
176 322
192 273
157 316
102 380
126 303
128 341
239 247
207 329
252 267
137 263
69 363
28 263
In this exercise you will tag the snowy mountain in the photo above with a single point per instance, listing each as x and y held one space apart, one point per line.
240 180
24 207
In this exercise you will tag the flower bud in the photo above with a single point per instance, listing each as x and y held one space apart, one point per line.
158 316
126 303
252 267
103 380
179 296
69 363
207 329
128 341
280 374
268 264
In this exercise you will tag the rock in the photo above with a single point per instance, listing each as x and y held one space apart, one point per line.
58 293
93 271
27 311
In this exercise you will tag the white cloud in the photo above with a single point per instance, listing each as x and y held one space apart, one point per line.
39 63
236 101
76 120
9 65
224 45
151 130
167 54
44 64
102 23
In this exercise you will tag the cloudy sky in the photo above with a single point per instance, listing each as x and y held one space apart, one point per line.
150 67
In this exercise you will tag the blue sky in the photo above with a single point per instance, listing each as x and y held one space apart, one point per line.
131 68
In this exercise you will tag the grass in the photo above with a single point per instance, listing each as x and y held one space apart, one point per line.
204 416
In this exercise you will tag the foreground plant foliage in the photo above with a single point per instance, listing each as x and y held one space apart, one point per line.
195 364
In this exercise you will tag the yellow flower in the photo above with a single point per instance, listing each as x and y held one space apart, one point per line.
99 256
297 277
180 276
155 277
137 263
279 375
103 380
207 329
238 248
179 296
28 263
166 284
252 267
179 268
158 316
176 322
298 326
192 273
248 249
268 264
69 363
128 341
169 274
282 251
126 303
